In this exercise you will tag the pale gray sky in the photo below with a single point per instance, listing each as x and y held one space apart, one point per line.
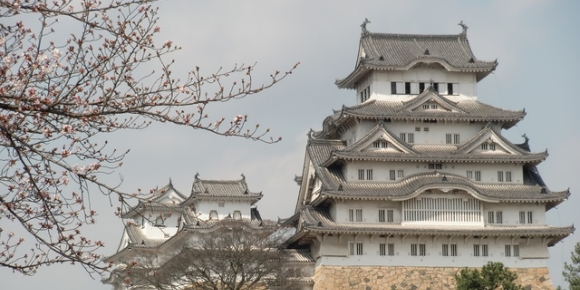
537 45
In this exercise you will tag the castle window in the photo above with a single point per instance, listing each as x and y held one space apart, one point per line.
452 88
494 217
436 87
221 204
478 176
442 210
380 144
393 88
392 175
407 137
365 94
356 249
213 214
237 215
476 251
522 217
508 250
500 176
369 174
382 250
421 87
386 249
449 250
426 129
435 166
456 139
355 215
469 174
422 251
386 215
452 139
484 250
160 222
530 217
407 88
508 176
361 174
400 173
426 106
488 146
417 129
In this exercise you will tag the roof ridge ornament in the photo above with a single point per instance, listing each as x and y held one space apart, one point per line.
463 26
196 176
363 26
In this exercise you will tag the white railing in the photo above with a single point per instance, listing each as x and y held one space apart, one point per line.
443 210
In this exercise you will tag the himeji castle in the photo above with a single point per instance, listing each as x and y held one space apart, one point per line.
400 190
415 181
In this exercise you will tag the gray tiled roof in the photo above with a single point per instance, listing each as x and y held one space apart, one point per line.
319 150
385 51
326 152
469 111
298 255
336 186
151 206
317 220
222 189
138 239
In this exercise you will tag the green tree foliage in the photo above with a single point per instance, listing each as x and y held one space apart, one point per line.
492 276
572 270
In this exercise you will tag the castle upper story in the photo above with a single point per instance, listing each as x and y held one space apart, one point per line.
398 67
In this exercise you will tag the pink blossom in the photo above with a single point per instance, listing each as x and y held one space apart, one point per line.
65 153
67 129
47 132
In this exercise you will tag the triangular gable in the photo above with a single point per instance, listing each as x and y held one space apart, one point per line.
378 138
430 100
487 141
167 195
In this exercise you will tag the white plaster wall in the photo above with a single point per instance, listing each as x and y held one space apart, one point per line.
510 212
381 170
436 133
370 210
148 224
380 83
465 258
203 209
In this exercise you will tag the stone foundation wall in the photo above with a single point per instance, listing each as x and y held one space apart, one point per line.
413 278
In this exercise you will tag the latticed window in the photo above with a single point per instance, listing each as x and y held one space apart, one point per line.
391 249
400 173
508 251
382 249
380 144
410 138
508 176
476 251
453 250
356 249
445 250
386 215
500 176
361 174
413 249
422 250
484 250
355 215
478 176
440 209
369 174
392 174
522 217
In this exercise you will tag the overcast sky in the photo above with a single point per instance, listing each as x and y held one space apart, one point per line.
537 44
